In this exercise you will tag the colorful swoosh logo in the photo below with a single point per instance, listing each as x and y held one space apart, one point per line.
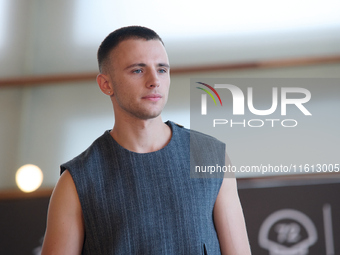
209 93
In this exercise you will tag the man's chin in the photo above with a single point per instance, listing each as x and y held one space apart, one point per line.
147 115
150 116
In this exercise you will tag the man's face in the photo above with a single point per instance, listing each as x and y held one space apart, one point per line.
140 75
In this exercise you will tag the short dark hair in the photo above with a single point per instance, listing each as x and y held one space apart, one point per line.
122 34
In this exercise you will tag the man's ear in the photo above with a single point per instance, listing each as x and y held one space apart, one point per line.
105 84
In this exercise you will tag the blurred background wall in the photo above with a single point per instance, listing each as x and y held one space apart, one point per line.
47 124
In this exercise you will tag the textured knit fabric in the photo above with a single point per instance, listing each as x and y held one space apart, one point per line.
146 203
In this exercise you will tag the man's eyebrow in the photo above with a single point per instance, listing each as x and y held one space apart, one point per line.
136 64
144 65
164 64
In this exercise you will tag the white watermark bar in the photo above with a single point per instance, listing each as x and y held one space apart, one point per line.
268 123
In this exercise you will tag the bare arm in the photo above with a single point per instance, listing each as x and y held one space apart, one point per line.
65 225
229 220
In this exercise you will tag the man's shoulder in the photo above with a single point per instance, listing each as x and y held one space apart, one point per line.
197 135
88 154
204 136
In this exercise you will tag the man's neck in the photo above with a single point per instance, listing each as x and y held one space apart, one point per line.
141 136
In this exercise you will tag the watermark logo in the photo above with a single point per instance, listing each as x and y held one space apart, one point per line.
204 97
240 100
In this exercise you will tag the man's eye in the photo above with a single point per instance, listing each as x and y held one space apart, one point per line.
137 71
162 70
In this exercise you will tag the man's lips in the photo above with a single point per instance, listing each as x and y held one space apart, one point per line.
152 97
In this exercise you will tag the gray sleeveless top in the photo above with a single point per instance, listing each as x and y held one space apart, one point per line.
146 203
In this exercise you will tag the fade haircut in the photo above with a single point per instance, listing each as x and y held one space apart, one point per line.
119 35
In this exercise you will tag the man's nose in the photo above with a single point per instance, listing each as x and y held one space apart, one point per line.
153 79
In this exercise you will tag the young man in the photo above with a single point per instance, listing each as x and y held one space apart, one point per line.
130 192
